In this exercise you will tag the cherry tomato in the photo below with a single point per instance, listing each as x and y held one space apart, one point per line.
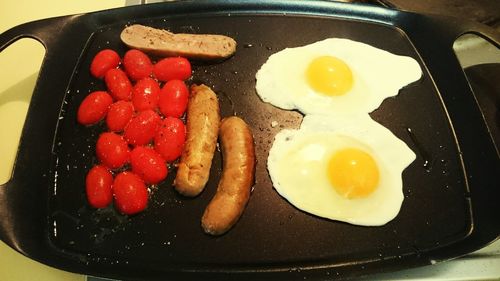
173 98
148 164
119 114
137 64
104 61
170 138
130 192
98 186
142 128
94 107
118 84
146 94
172 68
112 150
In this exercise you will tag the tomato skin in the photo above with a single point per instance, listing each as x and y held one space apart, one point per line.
174 97
104 61
130 193
98 184
94 107
142 128
119 114
112 150
118 84
148 164
170 138
137 64
172 68
146 94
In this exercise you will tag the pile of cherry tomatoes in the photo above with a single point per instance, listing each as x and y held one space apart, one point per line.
142 107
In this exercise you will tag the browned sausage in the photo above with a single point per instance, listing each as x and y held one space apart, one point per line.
164 43
202 126
237 178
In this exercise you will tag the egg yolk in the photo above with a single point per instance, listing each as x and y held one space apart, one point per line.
353 173
329 76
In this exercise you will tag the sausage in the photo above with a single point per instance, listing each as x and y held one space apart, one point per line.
163 43
238 172
202 126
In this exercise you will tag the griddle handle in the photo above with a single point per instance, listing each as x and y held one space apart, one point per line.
45 31
434 37
22 197
486 32
489 34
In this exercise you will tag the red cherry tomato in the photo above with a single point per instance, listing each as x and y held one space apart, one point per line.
104 61
130 192
119 114
172 68
148 164
137 64
112 150
98 187
94 107
173 98
142 128
118 84
146 94
170 138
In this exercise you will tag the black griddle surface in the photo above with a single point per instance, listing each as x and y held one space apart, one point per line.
272 239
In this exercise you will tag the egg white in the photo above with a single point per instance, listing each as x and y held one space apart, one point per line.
378 74
298 160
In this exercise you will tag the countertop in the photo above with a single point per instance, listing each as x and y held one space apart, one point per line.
19 72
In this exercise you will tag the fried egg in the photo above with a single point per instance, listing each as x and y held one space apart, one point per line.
344 168
334 76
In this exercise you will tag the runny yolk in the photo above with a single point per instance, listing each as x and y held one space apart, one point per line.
353 173
329 75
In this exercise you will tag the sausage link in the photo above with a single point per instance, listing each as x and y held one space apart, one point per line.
163 43
237 178
203 120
